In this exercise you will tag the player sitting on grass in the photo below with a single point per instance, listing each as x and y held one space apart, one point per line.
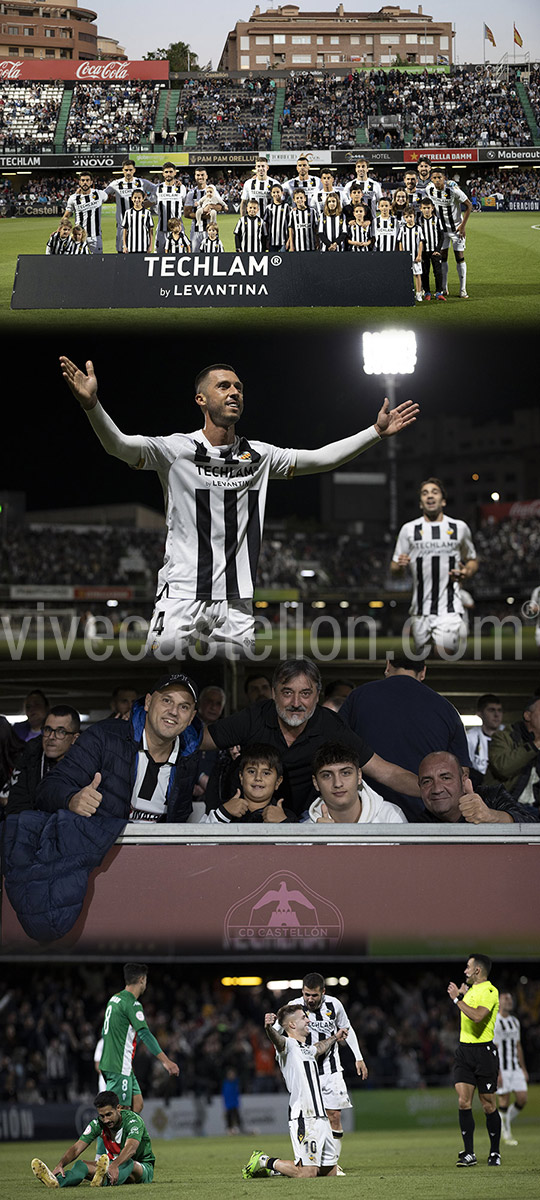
261 774
121 1135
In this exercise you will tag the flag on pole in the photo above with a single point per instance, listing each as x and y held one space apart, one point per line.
517 37
488 36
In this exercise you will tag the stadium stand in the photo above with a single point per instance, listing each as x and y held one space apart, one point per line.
28 114
227 115
326 111
403 1020
111 114
532 90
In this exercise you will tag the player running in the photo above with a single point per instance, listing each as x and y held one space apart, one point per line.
441 555
123 1023
124 1150
215 486
309 1127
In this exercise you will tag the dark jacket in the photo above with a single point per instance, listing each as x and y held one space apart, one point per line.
27 775
494 797
49 855
512 756
111 747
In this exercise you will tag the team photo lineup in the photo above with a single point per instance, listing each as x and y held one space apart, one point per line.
270 755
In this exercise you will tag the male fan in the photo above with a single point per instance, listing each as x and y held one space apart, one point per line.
215 483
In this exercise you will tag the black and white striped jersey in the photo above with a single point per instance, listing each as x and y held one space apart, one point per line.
302 223
299 1067
410 239
277 225
211 245
250 235
332 230
319 199
431 233
138 224
447 204
122 190
86 210
310 186
435 548
78 247
371 189
193 200
259 190
57 244
386 232
360 236
507 1036
169 202
180 245
324 1023
215 499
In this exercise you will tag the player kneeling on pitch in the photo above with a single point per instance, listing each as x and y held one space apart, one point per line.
311 1133
124 1147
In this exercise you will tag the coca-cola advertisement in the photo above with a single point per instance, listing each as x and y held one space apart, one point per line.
85 72
518 509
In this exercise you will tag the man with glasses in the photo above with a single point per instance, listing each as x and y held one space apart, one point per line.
59 731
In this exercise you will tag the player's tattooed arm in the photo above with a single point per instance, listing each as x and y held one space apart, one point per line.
277 1039
323 1047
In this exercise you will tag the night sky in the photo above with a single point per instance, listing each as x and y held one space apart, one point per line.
303 390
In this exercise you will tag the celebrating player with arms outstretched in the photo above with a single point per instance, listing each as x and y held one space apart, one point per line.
215 486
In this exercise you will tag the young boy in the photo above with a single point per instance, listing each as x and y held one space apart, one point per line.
359 230
58 242
386 228
211 242
411 241
138 226
301 224
250 232
176 241
432 235
277 219
261 775
332 229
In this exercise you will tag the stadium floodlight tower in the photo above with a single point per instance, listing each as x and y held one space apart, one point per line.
391 352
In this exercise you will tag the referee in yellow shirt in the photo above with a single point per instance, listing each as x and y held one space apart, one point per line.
477 1060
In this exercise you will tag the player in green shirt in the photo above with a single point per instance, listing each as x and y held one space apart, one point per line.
121 1134
123 1023
477 1060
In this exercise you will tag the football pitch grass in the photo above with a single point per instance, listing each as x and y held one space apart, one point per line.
294 643
417 1165
503 265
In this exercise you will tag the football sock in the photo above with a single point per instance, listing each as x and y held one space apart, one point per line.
462 272
466 1124
493 1125
75 1176
444 268
124 1172
337 1134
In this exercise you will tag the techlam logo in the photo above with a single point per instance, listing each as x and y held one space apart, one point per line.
10 69
102 70
286 914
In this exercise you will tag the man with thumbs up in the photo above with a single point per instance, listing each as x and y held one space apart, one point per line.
142 769
448 795
344 796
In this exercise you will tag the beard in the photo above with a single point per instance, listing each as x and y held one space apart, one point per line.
293 719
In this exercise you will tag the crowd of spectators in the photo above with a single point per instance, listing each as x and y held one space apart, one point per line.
406 1028
227 115
41 554
106 115
523 183
28 114
320 112
533 91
